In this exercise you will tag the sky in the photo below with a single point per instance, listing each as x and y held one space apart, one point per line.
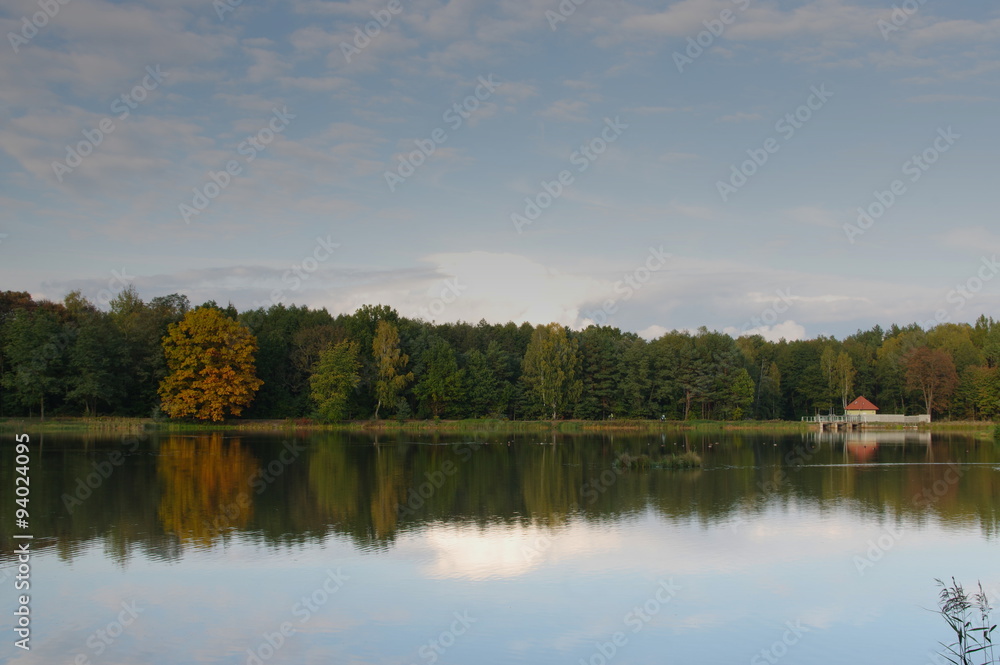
793 169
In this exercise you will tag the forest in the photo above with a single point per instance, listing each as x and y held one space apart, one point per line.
164 358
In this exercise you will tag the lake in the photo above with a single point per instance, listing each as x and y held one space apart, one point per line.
487 548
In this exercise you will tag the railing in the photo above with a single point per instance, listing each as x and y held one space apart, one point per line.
833 419
870 419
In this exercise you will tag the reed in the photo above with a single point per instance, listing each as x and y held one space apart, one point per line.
968 615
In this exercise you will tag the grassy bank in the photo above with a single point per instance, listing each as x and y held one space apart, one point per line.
113 424
393 425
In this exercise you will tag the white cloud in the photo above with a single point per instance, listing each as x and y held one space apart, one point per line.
653 332
567 110
787 330
507 287
505 551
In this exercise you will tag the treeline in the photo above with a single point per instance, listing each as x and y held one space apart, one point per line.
71 358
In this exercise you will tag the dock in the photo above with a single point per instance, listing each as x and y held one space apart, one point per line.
851 422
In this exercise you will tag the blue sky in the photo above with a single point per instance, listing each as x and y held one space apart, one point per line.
713 155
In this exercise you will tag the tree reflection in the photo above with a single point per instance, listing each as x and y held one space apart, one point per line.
180 491
205 483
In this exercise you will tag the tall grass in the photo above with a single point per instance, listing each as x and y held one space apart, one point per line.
968 615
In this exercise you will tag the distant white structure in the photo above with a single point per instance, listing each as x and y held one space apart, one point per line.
862 412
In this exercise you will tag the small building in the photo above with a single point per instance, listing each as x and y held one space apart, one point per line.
861 407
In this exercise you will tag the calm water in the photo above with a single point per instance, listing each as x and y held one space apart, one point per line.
417 550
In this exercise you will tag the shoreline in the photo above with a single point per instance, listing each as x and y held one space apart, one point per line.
122 424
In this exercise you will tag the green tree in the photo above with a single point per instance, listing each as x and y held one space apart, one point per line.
978 393
600 353
211 362
635 383
36 346
309 343
140 329
440 384
890 366
95 359
481 387
687 368
828 366
740 394
334 376
721 360
552 368
286 390
390 362
769 392
862 347
804 388
957 340
844 374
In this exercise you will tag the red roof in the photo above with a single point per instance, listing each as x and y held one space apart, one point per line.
861 404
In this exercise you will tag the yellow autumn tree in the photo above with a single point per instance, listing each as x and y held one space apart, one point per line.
211 362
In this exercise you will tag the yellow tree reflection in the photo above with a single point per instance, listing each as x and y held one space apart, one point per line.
205 486
389 490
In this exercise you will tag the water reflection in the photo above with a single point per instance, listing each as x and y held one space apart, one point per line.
178 492
205 484
541 541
